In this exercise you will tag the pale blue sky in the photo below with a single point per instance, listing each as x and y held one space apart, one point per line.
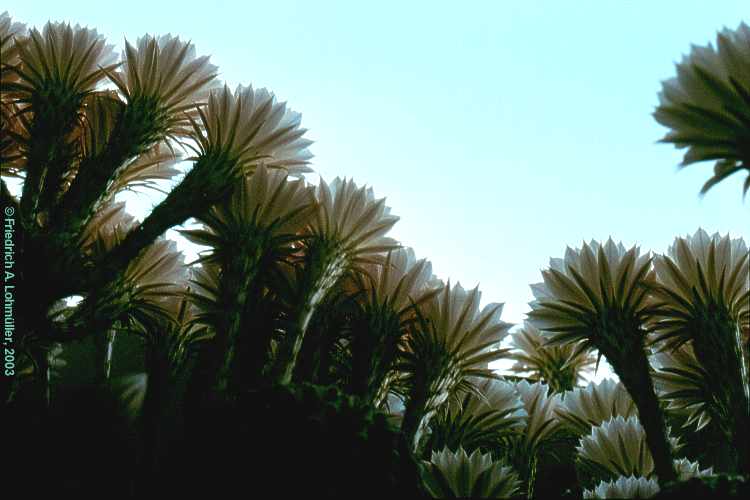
500 131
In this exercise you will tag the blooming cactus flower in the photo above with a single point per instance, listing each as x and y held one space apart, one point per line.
618 446
264 203
72 58
166 72
250 126
9 31
707 105
561 366
400 281
353 218
624 487
540 408
480 421
701 272
587 286
451 474
590 406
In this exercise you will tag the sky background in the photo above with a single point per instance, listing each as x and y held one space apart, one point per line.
499 131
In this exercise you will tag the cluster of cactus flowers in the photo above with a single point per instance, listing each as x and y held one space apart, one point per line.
300 283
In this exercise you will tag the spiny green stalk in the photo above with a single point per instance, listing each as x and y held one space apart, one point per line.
329 324
290 347
625 352
237 277
97 312
377 334
429 389
136 130
525 460
49 152
717 344
414 413
533 462
210 179
139 125
324 265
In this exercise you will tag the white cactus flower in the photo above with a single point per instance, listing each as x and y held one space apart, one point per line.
480 421
400 281
540 408
586 407
618 446
266 203
250 126
688 470
706 106
624 487
9 32
166 71
459 324
500 398
561 366
578 292
76 58
599 297
354 218
701 271
458 475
